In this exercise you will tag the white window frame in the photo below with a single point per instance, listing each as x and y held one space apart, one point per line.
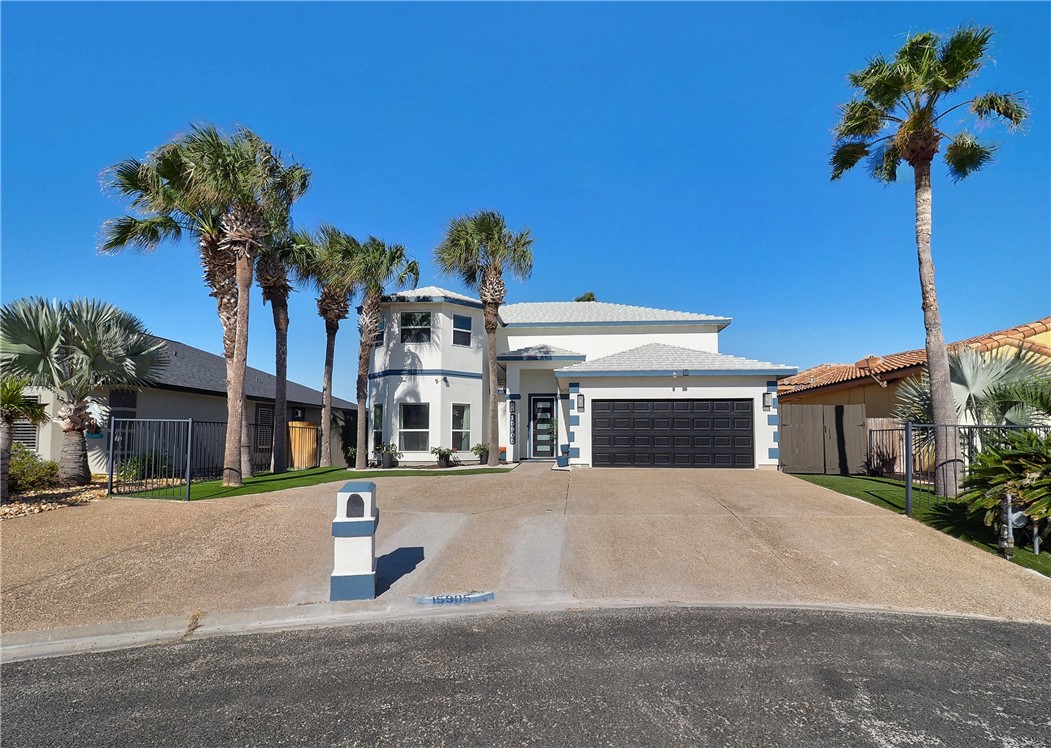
462 444
461 330
420 327
402 431
377 428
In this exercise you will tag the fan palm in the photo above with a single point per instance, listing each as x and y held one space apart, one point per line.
479 249
899 117
74 348
14 406
374 267
329 266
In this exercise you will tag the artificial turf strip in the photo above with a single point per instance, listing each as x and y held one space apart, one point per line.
950 517
312 477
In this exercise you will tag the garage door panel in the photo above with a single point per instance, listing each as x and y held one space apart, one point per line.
704 433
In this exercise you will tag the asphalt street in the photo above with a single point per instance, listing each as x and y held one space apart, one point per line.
628 677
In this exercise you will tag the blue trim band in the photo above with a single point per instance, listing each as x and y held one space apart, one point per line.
572 403
774 453
572 436
574 387
560 374
772 419
514 397
574 420
777 437
574 452
771 386
352 587
353 528
424 373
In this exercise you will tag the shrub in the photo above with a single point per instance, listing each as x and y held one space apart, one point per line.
29 472
144 466
1021 467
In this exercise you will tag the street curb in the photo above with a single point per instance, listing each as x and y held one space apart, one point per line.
29 645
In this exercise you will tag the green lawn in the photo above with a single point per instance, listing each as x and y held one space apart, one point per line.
950 517
316 476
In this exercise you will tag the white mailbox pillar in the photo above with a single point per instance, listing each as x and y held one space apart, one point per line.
354 536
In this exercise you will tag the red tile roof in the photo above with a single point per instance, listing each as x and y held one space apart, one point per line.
898 365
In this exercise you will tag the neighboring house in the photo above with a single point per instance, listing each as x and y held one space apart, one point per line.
193 385
614 385
874 381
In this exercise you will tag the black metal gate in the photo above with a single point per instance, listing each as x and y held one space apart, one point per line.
150 457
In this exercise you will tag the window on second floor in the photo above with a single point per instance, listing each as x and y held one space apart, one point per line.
378 339
415 327
461 329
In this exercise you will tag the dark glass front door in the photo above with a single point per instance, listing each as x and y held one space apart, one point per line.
543 428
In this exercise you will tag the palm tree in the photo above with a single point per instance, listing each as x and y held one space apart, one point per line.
586 296
245 173
329 267
14 406
375 265
899 117
479 248
74 348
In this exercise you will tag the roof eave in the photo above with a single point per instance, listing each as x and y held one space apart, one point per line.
678 373
719 322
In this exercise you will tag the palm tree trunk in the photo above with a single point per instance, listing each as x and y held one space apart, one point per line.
235 385
5 455
247 469
280 446
73 467
367 328
491 316
946 445
331 328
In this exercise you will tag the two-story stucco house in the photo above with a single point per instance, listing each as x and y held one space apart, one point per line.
612 385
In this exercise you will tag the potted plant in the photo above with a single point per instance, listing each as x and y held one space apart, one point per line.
388 454
443 454
482 452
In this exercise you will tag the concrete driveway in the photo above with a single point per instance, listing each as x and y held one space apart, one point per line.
724 537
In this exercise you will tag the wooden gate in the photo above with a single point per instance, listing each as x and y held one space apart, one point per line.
829 439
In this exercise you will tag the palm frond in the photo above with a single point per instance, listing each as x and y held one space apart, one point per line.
860 119
846 155
883 163
915 62
961 55
14 405
1004 106
143 234
965 155
880 82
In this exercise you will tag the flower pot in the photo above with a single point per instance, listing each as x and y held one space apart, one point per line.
443 462
387 460
483 458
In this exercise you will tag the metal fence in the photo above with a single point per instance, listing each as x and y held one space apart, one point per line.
160 458
907 453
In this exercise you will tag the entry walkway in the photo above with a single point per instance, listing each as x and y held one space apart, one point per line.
605 536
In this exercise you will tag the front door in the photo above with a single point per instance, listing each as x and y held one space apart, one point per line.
543 428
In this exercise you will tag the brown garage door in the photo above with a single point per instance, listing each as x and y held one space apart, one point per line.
672 433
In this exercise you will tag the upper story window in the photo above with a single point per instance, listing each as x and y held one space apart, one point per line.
461 329
416 327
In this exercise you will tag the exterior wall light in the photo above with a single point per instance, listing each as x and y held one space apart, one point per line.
511 406
580 402
768 400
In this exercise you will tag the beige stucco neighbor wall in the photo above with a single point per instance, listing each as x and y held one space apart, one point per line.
878 401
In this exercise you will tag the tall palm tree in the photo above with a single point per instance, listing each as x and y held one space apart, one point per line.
374 267
480 248
329 267
14 406
243 172
898 116
74 348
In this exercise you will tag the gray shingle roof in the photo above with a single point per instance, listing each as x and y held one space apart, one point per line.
432 293
191 368
660 359
540 353
561 313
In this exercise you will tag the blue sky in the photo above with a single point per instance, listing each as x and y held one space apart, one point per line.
668 155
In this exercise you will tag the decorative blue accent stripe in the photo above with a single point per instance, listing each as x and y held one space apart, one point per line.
574 387
719 321
352 587
574 452
772 419
563 396
572 436
424 373
777 436
561 374
774 453
572 403
538 357
574 420
771 386
514 397
353 528
775 403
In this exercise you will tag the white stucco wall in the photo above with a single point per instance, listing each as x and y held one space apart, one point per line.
700 387
596 342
